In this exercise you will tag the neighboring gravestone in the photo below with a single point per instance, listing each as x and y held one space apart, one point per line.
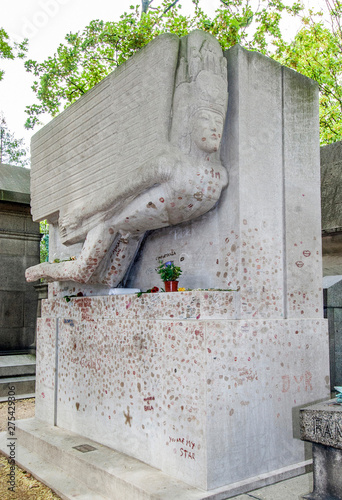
321 424
19 248
200 384
331 180
333 312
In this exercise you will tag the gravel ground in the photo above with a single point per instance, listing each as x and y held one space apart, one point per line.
26 486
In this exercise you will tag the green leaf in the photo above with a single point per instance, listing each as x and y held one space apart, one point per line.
7 51
12 150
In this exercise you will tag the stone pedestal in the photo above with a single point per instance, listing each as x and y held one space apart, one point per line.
321 424
178 382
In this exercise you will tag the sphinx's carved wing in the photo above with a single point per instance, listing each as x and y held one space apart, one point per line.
100 141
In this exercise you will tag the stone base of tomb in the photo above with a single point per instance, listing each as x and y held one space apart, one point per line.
176 381
76 467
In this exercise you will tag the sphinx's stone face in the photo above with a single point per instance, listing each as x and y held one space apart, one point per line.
207 130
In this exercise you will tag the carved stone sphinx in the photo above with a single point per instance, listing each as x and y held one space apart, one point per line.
159 165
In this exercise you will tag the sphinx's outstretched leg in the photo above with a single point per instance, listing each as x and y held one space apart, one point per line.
95 247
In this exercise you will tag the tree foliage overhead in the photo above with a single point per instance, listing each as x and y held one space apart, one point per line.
87 57
12 150
8 51
316 51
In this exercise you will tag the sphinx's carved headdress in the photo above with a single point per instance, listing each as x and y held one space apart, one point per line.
201 83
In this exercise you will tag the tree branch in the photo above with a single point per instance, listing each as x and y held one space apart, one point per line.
170 6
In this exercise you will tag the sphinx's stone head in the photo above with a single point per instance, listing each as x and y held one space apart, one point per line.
207 130
200 99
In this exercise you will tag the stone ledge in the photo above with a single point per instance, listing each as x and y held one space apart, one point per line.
15 197
193 305
322 423
20 235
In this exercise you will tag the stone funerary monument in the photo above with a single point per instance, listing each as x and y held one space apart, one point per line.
199 389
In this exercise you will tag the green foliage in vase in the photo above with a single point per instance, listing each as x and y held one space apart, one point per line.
168 271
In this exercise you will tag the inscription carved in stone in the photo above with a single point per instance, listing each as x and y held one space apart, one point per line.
322 423
324 428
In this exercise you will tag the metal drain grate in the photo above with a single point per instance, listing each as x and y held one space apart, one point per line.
84 448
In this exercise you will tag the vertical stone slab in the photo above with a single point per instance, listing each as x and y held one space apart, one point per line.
242 239
303 278
253 155
264 235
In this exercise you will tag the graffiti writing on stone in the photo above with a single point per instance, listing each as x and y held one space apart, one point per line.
302 381
148 403
187 450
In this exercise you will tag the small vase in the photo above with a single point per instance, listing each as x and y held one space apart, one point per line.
171 286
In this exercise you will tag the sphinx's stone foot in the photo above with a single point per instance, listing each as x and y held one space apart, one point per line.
62 271
34 273
74 270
